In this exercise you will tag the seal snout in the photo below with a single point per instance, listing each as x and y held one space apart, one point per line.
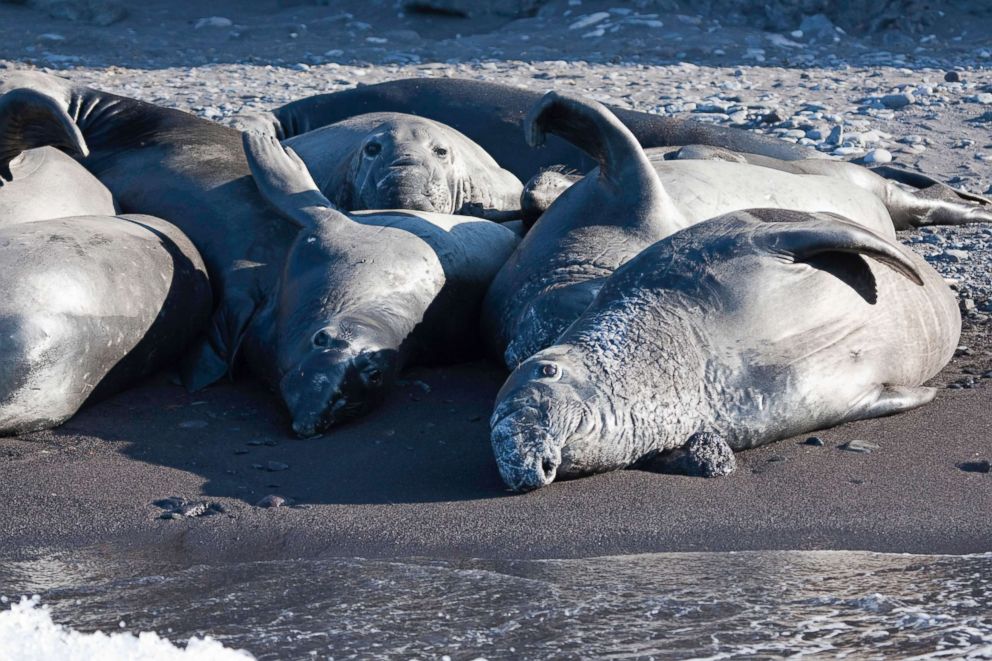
527 457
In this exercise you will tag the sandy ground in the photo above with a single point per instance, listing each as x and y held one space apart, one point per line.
417 477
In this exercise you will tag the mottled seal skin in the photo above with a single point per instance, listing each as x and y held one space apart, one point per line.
397 161
88 306
620 208
364 296
490 114
755 326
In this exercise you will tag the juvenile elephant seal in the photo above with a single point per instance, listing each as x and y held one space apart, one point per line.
620 208
934 204
365 295
396 161
88 306
490 114
756 326
277 281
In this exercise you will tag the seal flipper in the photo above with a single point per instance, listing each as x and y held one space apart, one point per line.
891 400
213 355
30 119
922 181
285 183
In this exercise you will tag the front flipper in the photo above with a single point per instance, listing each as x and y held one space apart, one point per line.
285 183
214 354
893 399
922 181
704 455
707 153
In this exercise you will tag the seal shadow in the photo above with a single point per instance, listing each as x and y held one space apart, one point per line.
428 442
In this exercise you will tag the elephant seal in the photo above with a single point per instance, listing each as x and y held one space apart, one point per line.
270 274
88 306
396 161
620 208
756 326
363 295
490 114
90 302
936 204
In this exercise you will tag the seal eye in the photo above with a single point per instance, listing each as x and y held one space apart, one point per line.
549 371
322 339
440 152
374 377
373 149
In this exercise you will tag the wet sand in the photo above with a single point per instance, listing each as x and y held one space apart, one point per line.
417 478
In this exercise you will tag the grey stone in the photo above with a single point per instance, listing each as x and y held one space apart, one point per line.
273 500
877 156
864 447
981 466
897 101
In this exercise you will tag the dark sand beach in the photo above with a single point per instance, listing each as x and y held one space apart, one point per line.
417 477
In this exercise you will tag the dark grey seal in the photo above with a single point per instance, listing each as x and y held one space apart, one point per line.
755 326
364 295
89 304
397 161
490 114
622 207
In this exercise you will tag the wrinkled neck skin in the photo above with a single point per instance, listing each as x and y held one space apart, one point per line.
630 384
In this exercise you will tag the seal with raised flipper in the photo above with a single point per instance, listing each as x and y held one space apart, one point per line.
90 302
754 326
274 278
620 208
490 114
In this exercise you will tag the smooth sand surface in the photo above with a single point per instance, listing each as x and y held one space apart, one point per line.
417 478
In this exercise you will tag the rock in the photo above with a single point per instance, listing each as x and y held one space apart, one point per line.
179 508
193 424
819 28
94 12
815 441
952 77
703 455
213 22
273 500
772 118
966 305
877 156
275 466
864 447
985 98
836 135
981 466
897 101
469 8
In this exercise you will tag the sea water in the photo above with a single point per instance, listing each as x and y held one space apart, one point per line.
663 606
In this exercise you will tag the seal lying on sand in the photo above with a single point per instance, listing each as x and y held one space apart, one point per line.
936 204
89 304
490 114
365 295
621 208
277 280
396 161
756 326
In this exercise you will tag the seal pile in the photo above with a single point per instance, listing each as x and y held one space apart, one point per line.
652 284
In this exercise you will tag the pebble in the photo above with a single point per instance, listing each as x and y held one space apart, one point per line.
815 441
865 447
275 466
952 77
213 22
897 101
876 156
272 500
981 466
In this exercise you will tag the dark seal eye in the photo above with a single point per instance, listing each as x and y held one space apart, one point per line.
322 339
374 377
440 152
549 370
373 149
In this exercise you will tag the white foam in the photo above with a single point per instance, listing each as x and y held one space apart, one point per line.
27 633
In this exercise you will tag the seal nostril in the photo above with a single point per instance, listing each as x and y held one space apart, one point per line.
548 467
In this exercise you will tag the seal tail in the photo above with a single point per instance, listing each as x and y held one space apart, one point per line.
31 119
